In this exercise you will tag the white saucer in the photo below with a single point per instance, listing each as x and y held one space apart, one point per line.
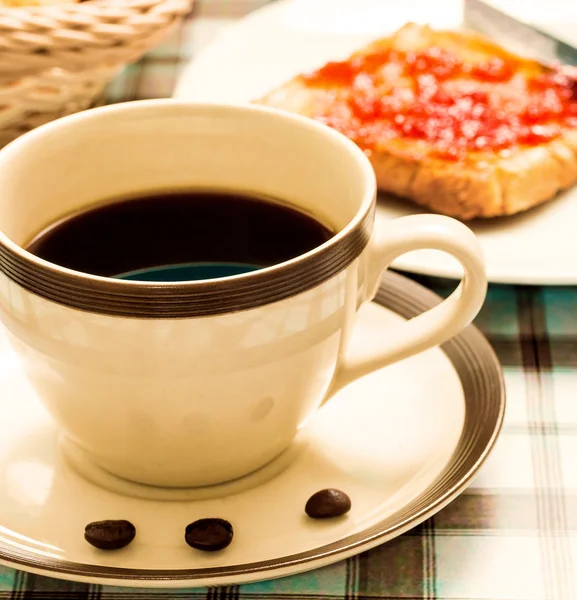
286 37
401 442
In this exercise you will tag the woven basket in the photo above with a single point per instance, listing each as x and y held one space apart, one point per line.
56 60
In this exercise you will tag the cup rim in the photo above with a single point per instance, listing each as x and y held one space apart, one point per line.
39 275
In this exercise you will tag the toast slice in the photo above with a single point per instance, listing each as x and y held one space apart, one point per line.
449 120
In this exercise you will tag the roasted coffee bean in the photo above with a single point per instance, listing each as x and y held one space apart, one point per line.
327 503
110 535
209 534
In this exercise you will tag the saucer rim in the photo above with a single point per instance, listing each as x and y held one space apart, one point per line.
468 349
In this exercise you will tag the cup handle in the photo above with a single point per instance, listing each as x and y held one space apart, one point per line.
434 326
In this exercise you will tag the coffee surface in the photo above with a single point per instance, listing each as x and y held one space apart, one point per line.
179 236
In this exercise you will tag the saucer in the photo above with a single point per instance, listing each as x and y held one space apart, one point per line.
402 442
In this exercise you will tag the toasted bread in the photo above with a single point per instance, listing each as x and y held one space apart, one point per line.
449 120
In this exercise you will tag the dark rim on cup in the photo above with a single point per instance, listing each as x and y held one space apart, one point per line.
195 298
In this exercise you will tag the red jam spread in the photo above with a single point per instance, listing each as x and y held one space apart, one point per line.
453 106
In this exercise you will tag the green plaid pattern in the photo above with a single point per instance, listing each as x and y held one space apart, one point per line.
513 534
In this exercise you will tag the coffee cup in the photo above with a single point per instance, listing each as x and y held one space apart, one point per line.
199 382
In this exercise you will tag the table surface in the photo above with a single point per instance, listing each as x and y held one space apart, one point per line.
513 534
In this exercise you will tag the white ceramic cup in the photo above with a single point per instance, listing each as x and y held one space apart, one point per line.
195 383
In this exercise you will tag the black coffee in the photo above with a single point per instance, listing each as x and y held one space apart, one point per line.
179 236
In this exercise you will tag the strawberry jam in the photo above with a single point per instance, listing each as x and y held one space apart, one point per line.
435 97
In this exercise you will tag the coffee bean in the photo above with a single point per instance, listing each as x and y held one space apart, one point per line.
326 504
110 535
209 534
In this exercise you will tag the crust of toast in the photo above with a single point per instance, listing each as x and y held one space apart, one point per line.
487 184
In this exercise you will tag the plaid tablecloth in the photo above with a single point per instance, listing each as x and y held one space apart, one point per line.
513 533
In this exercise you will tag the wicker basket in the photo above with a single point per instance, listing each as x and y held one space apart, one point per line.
56 60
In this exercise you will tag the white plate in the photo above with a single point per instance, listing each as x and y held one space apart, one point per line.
401 446
288 36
